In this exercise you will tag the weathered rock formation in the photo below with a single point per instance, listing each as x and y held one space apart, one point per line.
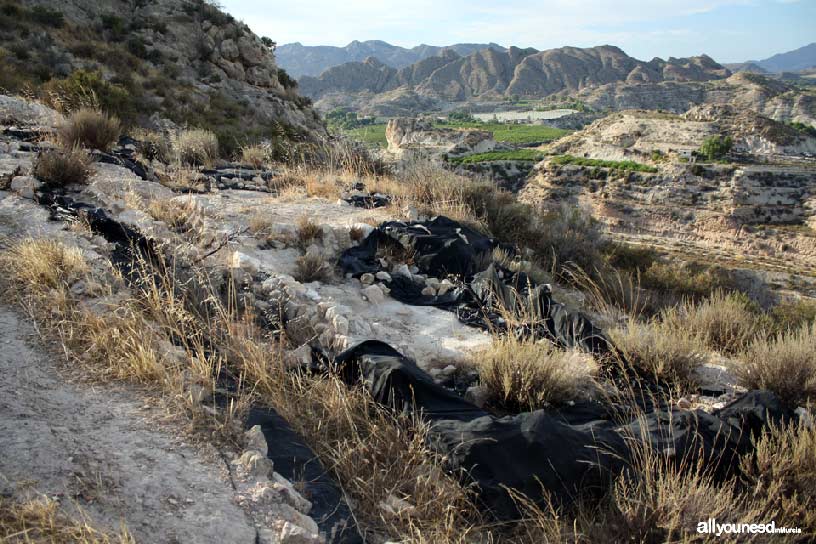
410 134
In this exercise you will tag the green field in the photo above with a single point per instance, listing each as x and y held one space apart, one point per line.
512 134
373 135
514 155
598 163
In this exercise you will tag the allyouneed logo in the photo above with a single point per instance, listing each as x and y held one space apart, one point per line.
710 526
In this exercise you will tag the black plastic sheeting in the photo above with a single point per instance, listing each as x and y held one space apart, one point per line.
557 452
443 247
295 461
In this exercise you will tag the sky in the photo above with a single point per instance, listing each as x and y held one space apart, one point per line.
727 30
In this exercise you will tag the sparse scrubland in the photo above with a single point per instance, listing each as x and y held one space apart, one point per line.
193 337
656 500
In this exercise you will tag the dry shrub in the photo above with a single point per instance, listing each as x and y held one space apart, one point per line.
312 267
153 145
322 185
255 155
127 339
307 232
610 292
661 499
89 128
725 322
180 217
195 147
784 364
356 234
661 350
783 473
41 521
60 168
523 375
41 263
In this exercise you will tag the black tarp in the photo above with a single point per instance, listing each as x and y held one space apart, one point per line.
486 292
564 451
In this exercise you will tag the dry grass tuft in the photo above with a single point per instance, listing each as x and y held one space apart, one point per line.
661 350
40 521
180 217
195 147
257 156
307 232
723 322
89 128
783 473
312 266
523 375
60 168
44 264
784 364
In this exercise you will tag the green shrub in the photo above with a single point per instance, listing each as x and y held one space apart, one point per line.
790 315
614 165
515 155
286 80
47 16
88 89
716 147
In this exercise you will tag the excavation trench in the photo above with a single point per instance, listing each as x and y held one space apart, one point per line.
292 457
556 452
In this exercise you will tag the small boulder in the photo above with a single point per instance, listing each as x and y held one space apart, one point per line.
367 279
25 186
373 294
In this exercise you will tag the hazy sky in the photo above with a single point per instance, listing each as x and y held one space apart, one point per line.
728 30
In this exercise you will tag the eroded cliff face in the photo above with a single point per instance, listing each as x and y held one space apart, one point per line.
750 194
405 135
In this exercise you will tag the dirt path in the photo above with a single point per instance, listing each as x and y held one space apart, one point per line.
94 447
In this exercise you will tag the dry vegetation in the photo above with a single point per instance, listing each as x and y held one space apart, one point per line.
523 375
41 521
784 363
60 168
195 147
89 128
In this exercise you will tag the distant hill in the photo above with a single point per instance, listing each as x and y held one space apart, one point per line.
493 74
750 66
792 61
299 60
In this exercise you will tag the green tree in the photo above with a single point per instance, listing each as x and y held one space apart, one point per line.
716 147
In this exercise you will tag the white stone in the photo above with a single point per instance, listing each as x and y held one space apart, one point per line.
367 279
401 270
374 294
256 440
25 186
295 534
245 262
256 464
290 494
382 275
429 291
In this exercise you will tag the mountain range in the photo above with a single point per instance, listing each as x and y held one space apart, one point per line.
492 74
299 60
